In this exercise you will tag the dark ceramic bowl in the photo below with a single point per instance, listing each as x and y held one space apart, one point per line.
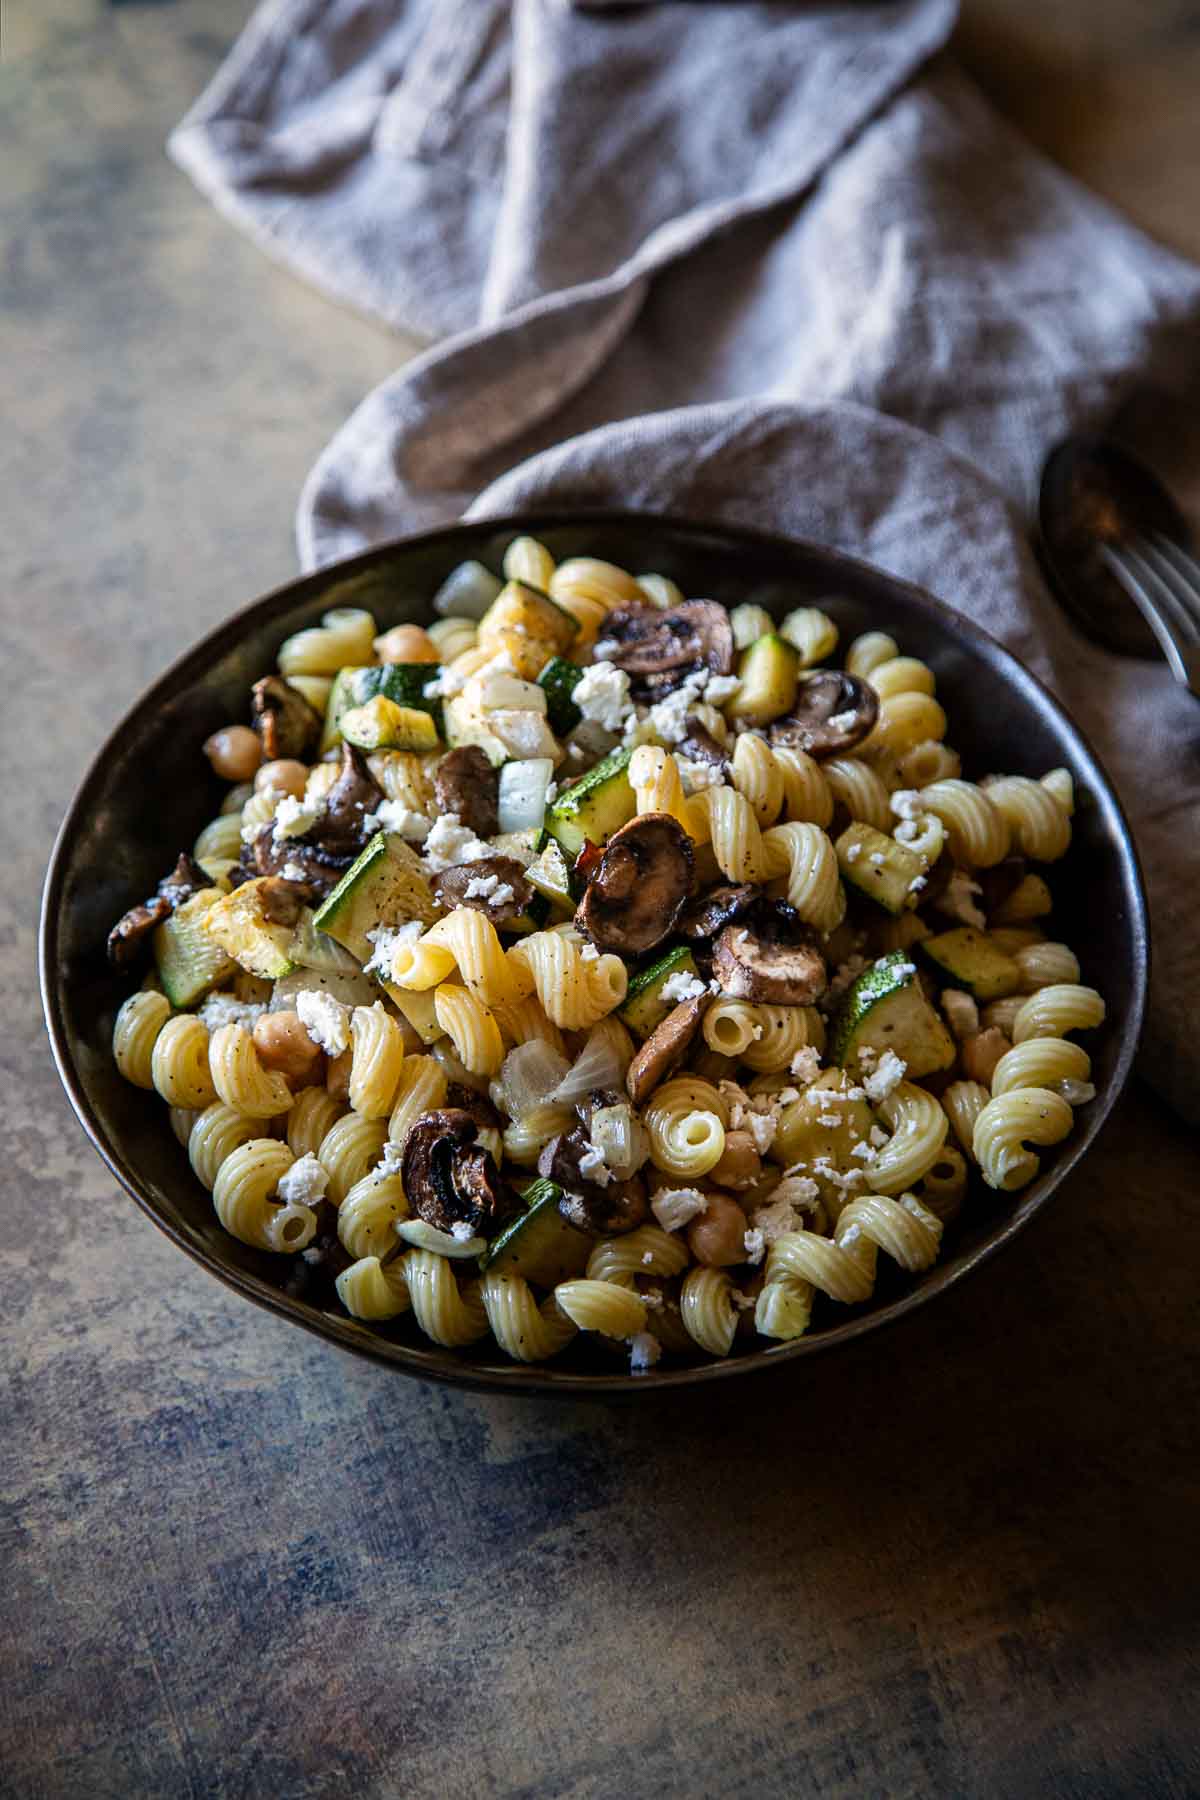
150 790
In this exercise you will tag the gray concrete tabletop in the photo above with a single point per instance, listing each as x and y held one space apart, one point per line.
235 1562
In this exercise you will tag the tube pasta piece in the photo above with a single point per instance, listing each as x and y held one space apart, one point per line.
814 885
243 1194
927 762
345 637
528 560
902 675
1007 1124
869 651
811 632
962 1103
686 1120
706 1303
367 1217
135 1033
471 1029
574 992
977 830
448 1314
1040 826
179 1064
474 943
918 1126
240 1078
943 1188
312 1117
350 1149
588 578
373 1290
655 779
1054 1011
601 1306
421 966
526 1331
1047 1062
731 1026
378 1057
859 788
220 841
748 623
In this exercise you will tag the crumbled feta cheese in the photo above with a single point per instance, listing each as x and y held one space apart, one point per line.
325 1019
806 1065
589 953
682 986
844 976
602 695
906 803
762 1128
391 1160
962 1014
462 1231
676 1207
292 871
957 900
853 852
888 1075
644 1351
304 1183
849 1237
785 1206
592 1167
845 1182
876 859
647 1256
387 939
314 1254
451 843
293 818
603 648
866 1151
227 1009
831 1121
879 1136
843 721
720 688
917 883
756 1246
403 821
481 886
449 681
697 775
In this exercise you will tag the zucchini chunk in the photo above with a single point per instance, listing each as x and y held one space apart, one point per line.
595 806
879 867
643 1008
239 923
189 961
529 625
560 678
386 885
970 961
540 1245
887 1009
402 683
768 671
382 725
316 950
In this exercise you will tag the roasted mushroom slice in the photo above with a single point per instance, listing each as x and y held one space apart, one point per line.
466 784
699 745
833 711
659 649
283 719
664 1049
636 894
185 881
768 955
706 915
309 864
500 888
609 1208
461 1098
132 932
448 1178
355 793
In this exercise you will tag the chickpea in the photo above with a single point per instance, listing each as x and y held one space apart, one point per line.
407 644
982 1052
283 1044
285 776
234 752
337 1075
740 1165
717 1236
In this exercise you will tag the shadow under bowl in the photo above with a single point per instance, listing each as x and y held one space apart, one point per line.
150 790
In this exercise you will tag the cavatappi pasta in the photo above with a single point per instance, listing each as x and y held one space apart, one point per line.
613 973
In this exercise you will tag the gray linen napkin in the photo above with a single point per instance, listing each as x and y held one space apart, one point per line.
773 263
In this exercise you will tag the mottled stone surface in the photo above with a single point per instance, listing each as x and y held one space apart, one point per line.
234 1562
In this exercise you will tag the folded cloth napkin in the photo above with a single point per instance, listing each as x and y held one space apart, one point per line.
774 263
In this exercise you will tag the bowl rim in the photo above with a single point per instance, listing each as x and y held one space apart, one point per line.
437 1363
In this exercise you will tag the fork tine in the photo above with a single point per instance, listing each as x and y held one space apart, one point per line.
1165 585
1184 568
1145 590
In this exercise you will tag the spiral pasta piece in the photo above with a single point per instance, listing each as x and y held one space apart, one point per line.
1060 784
574 992
220 841
738 845
1054 1011
378 1057
686 1121
707 1309
1030 899
858 787
183 1120
812 633
943 1188
242 1197
918 1126
978 832
655 779
471 1029
1047 1062
647 1251
926 762
526 1331
748 622
905 719
454 636
528 560
526 1021
782 781
421 1089
448 1314
350 1149
403 776
1010 1121
1040 826
473 941
783 1309
901 675
373 1290
962 1102
602 1306
312 1117
1046 965
781 1031
179 1064
367 1217
216 1134
524 1139
240 1078
661 591
345 637
814 885
135 1033
868 652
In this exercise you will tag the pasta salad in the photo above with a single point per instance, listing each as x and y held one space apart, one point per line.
603 960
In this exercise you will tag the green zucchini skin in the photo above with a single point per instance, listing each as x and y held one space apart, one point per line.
595 806
560 678
887 1009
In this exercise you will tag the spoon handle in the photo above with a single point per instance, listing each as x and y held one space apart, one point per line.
1178 644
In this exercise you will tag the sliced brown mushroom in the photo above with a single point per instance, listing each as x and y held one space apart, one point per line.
320 870
664 1049
610 1208
448 1178
450 888
659 648
833 711
768 955
460 1098
699 745
706 915
283 719
281 900
636 894
341 827
465 783
131 934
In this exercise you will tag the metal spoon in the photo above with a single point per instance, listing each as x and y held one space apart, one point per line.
1117 551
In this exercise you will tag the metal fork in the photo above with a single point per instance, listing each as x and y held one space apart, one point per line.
1163 582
